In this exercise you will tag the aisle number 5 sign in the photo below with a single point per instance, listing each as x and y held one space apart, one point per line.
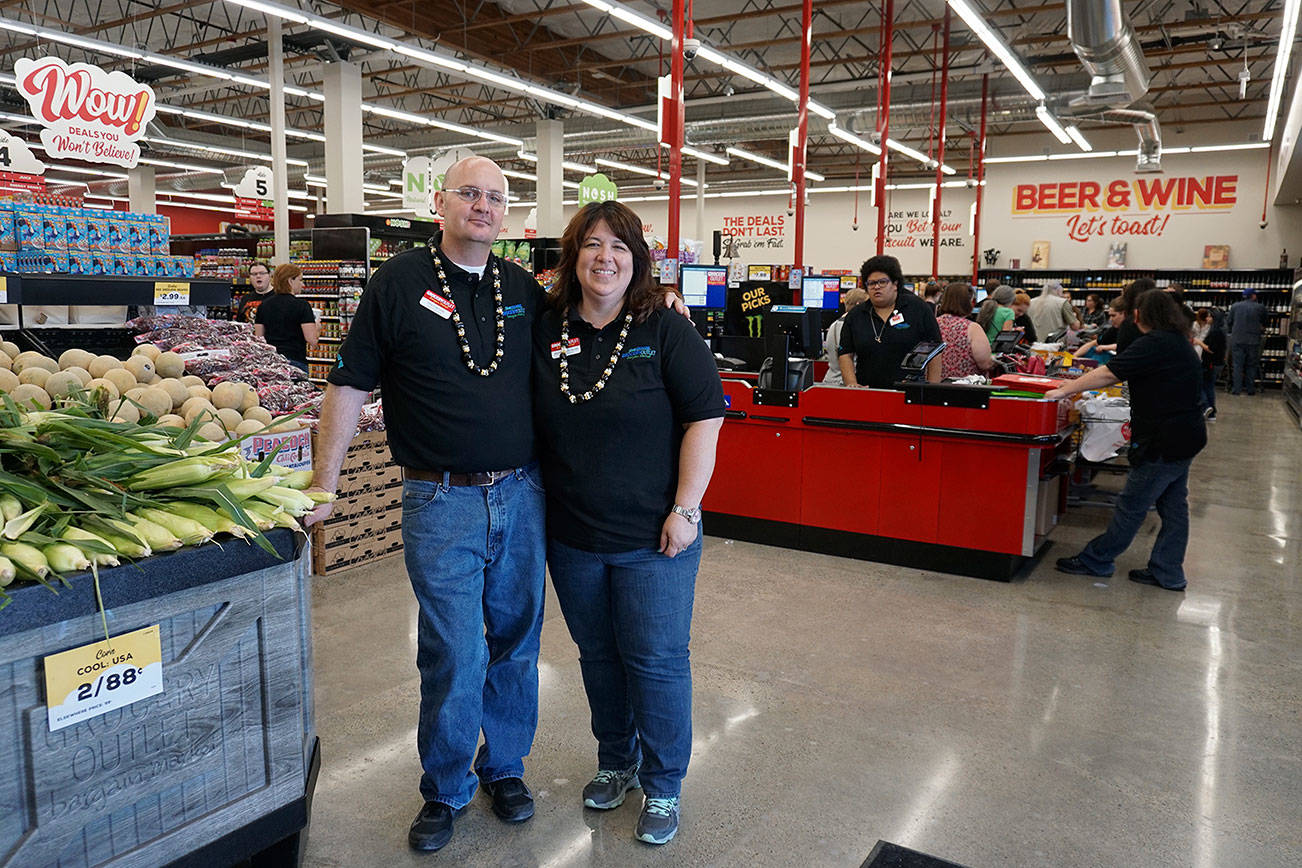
94 679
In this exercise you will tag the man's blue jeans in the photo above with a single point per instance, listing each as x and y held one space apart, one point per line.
476 558
1246 357
1165 483
630 613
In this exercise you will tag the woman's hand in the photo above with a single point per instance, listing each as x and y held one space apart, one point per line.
677 534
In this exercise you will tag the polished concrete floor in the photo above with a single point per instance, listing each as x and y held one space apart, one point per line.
1056 720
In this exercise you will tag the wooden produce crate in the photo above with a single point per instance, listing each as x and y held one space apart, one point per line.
366 523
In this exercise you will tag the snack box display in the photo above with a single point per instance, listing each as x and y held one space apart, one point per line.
120 265
117 236
159 237
54 230
79 262
8 232
8 260
138 237
74 229
29 224
162 265
100 262
97 234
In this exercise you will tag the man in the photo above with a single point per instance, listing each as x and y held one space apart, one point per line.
1051 312
1247 325
876 337
446 331
260 282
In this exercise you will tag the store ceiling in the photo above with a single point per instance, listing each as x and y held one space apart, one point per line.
1195 50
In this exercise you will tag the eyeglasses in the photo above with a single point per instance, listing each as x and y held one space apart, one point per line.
878 283
470 195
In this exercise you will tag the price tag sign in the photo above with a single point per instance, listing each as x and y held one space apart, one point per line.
171 293
88 681
4 290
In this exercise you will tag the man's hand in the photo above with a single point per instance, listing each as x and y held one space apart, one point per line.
321 513
674 300
677 534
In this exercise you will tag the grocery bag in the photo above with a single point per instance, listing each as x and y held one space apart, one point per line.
1107 428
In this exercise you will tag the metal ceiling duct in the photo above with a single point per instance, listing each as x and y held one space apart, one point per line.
1104 40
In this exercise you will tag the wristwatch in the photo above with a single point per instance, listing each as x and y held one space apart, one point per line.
692 515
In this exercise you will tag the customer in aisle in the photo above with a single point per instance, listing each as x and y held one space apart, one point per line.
851 300
1096 312
286 321
1022 320
628 405
1247 327
259 291
447 331
1103 347
1128 332
931 294
1051 312
1201 326
967 350
877 336
1211 348
1167 431
996 313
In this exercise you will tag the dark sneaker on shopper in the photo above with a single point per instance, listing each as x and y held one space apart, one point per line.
1211 416
1146 577
1077 567
512 801
1209 413
432 828
658 822
609 786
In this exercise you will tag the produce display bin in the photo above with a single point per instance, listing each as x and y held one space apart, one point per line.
218 768
366 522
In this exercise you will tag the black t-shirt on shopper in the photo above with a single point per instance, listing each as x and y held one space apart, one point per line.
610 465
1165 379
440 415
283 316
881 345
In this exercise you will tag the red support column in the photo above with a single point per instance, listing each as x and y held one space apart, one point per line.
940 149
884 115
798 154
981 177
675 130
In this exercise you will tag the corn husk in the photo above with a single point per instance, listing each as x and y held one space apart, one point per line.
10 507
157 537
65 558
26 557
92 545
298 480
208 517
189 531
194 470
293 502
7 571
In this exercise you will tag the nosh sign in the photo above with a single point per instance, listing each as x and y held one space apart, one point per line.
88 114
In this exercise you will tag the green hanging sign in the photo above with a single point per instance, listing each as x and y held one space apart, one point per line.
597 188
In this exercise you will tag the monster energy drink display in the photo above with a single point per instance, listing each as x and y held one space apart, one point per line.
744 314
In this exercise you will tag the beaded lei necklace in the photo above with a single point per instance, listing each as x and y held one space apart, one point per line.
499 309
605 375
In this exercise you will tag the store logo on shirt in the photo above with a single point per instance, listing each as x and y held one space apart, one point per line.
639 353
514 311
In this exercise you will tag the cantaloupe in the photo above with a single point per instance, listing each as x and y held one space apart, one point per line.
200 391
34 376
171 420
101 365
134 393
227 395
8 380
32 359
180 394
25 394
60 384
229 419
169 365
212 431
194 407
120 377
141 367
259 414
250 399
75 358
104 386
10 349
156 401
124 411
191 380
148 350
6 362
249 426
81 373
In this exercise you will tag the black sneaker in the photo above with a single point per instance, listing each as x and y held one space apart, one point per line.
512 801
608 787
1146 577
658 822
432 828
1077 567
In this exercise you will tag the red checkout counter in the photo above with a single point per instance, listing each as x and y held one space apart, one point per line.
955 481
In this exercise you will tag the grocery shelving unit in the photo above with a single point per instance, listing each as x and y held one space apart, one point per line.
1293 351
333 287
1204 287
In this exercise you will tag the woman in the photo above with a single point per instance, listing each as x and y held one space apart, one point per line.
832 340
1166 432
1211 346
1102 347
628 405
967 349
1127 331
1021 320
877 336
1096 313
286 321
996 313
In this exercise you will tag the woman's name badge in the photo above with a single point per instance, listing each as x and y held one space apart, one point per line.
896 318
571 348
440 304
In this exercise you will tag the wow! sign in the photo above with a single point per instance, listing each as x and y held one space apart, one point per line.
87 113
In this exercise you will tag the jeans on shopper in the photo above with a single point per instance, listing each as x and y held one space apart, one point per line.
1165 483
630 613
1210 376
1246 357
476 558
302 366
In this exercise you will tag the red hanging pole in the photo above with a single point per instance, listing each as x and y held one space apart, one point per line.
675 131
884 115
940 150
981 177
798 153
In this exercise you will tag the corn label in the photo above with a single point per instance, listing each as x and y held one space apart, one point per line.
88 681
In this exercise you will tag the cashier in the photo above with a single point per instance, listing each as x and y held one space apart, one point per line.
878 336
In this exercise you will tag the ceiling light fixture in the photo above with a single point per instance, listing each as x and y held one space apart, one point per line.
997 47
1287 33
1051 123
1078 137
762 160
637 170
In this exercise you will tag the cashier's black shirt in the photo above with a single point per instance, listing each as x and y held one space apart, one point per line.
1166 420
610 465
282 317
877 363
440 415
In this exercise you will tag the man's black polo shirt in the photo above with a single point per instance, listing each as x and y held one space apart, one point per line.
610 465
440 415
877 361
1166 419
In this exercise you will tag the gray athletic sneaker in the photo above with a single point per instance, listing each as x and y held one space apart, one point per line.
608 788
659 820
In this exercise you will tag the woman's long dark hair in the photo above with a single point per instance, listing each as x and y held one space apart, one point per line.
643 295
1160 312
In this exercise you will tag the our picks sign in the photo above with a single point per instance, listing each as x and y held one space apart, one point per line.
87 113
1125 206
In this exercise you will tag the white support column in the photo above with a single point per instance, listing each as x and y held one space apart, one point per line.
700 202
141 191
279 168
551 192
343 132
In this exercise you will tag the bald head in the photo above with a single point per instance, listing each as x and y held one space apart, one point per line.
476 168
471 227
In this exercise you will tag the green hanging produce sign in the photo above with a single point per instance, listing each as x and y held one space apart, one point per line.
597 188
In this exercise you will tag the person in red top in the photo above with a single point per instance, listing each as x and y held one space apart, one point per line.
968 349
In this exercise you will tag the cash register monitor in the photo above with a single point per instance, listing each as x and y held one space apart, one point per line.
802 324
703 285
1005 341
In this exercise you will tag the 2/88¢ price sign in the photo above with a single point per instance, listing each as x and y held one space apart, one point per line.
88 681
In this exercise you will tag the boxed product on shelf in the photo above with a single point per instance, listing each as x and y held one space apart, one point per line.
79 262
53 230
8 233
117 235
29 224
97 236
8 260
74 229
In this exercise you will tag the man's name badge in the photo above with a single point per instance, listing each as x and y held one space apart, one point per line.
571 348
440 304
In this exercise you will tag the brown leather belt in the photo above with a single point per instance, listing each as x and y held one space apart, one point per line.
480 480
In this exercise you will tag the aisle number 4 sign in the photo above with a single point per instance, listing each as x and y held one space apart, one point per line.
94 679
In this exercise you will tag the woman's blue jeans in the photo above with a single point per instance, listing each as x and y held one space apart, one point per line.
476 559
630 613
1166 484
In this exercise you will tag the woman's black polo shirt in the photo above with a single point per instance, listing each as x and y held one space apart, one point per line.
610 465
877 362
440 415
